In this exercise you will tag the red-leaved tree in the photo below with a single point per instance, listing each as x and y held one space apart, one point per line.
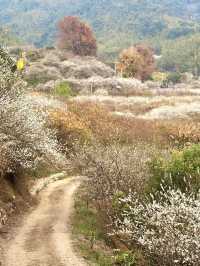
149 65
137 62
76 36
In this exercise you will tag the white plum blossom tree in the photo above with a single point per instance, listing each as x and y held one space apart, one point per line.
168 228
24 138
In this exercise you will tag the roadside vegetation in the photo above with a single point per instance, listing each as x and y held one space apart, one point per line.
27 144
143 185
88 233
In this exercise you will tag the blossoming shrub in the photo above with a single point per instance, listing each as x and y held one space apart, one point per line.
25 141
168 229
111 170
181 170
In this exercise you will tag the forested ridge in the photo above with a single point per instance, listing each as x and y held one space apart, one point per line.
117 24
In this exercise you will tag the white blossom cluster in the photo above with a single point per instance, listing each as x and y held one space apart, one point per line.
168 229
113 168
24 137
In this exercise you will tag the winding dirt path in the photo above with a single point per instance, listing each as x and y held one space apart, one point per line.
44 238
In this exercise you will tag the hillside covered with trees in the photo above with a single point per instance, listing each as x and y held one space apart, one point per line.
117 24
100 132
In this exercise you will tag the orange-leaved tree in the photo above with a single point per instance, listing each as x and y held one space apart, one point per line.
136 62
130 63
76 36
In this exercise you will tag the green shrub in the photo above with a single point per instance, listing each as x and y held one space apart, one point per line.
63 89
157 173
125 259
181 170
174 77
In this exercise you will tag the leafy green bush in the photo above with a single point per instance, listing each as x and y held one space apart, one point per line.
63 89
125 259
174 77
181 170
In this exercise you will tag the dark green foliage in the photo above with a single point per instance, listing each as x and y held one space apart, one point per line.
86 224
182 55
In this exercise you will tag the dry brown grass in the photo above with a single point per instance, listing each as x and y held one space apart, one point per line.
156 107
83 121
70 129
181 132
106 127
98 120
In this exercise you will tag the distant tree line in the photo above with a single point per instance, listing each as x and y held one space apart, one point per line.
138 61
77 37
182 56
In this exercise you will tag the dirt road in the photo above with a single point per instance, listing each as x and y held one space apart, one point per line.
44 238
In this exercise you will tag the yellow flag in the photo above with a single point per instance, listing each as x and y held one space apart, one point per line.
20 64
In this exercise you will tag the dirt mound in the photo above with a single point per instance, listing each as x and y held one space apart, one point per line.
14 196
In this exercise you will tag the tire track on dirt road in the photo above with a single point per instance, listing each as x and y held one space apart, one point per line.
44 238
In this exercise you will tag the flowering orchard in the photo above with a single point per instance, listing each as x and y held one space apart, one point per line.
165 226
